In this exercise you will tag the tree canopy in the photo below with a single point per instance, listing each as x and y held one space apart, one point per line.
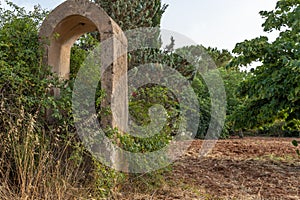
272 90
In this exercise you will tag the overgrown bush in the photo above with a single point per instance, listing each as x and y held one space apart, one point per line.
39 160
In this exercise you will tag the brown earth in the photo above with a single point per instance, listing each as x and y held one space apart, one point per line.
250 168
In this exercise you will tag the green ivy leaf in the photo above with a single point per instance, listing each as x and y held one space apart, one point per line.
295 143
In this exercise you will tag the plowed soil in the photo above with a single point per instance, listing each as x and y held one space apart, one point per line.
249 168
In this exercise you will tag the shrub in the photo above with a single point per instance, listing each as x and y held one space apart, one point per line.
39 160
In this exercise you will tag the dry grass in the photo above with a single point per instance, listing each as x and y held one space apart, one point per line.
34 166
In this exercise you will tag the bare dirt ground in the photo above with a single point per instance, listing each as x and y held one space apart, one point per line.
250 168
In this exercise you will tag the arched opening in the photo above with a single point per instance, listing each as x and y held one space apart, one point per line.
65 35
64 25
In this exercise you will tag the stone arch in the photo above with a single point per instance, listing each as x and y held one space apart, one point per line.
64 25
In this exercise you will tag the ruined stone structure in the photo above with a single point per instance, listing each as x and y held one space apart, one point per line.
64 25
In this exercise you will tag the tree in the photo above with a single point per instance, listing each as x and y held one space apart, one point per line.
134 14
210 61
272 90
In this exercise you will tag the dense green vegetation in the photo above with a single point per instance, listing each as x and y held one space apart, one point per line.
271 91
43 160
